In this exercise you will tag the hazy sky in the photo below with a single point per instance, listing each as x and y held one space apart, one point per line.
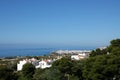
59 22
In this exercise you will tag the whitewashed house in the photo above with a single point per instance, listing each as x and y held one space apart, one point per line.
38 64
79 56
44 64
75 57
20 65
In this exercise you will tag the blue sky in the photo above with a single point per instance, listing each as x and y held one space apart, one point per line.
73 23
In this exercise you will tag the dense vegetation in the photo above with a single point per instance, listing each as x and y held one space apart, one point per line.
103 64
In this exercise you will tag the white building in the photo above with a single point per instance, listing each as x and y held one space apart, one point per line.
44 64
38 64
79 56
72 51
20 65
75 57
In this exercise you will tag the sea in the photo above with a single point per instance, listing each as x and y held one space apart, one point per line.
26 52
13 52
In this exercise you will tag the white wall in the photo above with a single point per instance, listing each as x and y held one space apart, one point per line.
20 65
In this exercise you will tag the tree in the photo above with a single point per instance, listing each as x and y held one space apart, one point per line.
28 71
7 73
98 52
115 43
77 69
104 67
72 70
38 73
64 65
48 74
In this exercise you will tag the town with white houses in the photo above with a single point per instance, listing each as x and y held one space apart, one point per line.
46 63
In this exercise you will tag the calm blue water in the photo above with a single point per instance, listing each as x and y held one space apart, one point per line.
8 52
25 52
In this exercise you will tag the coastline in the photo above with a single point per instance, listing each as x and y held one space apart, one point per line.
21 52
